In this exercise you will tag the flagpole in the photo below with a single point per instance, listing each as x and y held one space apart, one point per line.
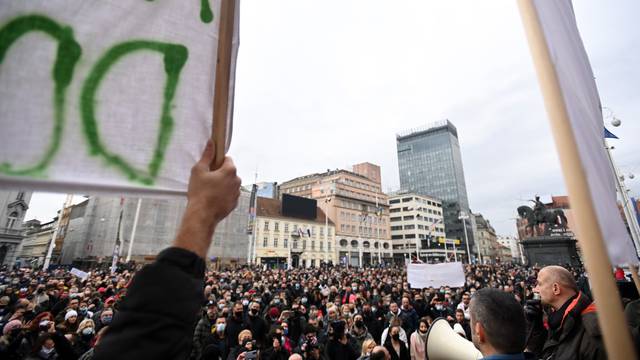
632 222
610 316
628 212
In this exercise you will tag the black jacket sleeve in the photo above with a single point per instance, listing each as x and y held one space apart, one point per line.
155 320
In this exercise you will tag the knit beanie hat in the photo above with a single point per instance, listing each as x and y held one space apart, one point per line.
69 314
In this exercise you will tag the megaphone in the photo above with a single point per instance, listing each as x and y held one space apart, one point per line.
445 344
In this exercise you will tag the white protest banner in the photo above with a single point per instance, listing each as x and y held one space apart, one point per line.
79 273
421 276
110 95
582 104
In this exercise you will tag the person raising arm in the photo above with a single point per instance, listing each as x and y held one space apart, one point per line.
157 316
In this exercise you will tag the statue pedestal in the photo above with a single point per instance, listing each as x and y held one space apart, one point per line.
551 250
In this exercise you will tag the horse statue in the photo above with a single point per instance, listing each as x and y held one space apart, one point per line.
548 218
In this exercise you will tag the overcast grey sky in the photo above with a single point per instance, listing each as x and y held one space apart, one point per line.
327 84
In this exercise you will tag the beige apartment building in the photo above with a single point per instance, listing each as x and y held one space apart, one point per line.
284 241
355 203
418 231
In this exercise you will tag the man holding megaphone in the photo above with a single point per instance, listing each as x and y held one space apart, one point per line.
573 330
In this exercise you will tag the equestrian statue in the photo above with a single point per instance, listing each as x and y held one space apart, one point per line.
540 220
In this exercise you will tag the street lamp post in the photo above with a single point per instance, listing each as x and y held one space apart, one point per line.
463 216
622 190
326 228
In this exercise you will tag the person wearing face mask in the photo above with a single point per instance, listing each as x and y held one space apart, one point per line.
420 306
257 324
104 319
340 346
245 343
373 320
235 324
396 322
438 309
417 349
348 297
82 341
275 349
396 347
83 311
203 328
44 349
359 331
215 344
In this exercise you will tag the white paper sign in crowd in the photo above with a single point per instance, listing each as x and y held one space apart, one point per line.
112 95
79 273
421 276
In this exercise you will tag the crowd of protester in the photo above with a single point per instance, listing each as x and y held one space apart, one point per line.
318 313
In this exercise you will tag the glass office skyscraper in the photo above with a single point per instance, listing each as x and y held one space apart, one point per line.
430 163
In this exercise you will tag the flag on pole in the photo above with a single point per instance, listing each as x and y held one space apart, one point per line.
582 104
609 135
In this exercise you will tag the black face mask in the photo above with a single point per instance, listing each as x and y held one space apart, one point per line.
395 337
253 312
359 323
237 314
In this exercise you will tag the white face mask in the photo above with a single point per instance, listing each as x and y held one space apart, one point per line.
46 351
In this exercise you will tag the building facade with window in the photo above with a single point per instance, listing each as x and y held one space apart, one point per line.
418 230
90 230
487 241
13 207
430 163
355 203
515 248
36 243
285 241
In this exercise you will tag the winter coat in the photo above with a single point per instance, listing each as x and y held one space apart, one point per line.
360 338
404 351
418 347
203 329
338 351
155 320
578 336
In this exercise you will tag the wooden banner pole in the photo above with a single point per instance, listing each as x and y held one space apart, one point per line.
635 277
223 75
616 335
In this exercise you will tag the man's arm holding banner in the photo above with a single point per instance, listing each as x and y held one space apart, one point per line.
155 320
